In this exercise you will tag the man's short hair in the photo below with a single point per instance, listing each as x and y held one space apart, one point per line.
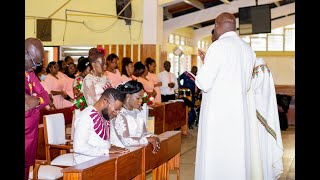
113 93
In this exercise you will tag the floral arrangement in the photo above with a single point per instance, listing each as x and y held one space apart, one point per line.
101 50
147 99
79 100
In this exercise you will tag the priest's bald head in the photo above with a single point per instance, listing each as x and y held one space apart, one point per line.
225 22
34 53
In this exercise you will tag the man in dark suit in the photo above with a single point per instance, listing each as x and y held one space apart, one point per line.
187 80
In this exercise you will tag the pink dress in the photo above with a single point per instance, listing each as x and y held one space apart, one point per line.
147 85
114 78
125 78
155 79
32 117
53 84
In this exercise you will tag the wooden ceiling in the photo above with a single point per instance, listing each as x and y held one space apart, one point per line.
188 6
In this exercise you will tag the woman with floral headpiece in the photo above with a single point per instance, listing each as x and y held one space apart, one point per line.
95 82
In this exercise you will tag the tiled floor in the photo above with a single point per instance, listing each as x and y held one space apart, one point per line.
188 153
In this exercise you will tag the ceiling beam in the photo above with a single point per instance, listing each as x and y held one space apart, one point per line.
165 3
195 3
166 13
198 26
275 12
211 13
225 1
203 15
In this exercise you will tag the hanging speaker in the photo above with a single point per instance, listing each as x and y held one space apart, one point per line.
44 29
127 12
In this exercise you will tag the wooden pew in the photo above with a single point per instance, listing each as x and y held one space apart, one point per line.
170 116
158 112
134 164
115 166
167 158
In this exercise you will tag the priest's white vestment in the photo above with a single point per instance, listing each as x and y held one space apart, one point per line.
223 143
266 115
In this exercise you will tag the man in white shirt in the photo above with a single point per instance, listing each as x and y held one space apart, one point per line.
92 131
169 83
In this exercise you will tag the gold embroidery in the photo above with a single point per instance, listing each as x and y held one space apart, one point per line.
265 124
256 70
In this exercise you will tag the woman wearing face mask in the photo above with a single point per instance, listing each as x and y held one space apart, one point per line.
41 73
128 128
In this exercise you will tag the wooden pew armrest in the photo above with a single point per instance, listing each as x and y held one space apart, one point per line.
61 146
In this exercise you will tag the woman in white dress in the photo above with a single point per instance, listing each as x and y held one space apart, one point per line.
128 128
95 82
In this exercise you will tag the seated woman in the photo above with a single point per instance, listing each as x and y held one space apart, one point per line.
128 128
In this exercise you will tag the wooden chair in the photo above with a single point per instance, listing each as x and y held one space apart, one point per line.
55 138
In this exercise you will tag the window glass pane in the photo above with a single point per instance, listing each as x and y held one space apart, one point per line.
259 35
277 31
171 38
258 44
175 65
176 39
199 62
289 40
275 42
199 44
183 64
202 45
182 40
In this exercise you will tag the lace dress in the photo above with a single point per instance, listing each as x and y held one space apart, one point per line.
129 129
93 87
